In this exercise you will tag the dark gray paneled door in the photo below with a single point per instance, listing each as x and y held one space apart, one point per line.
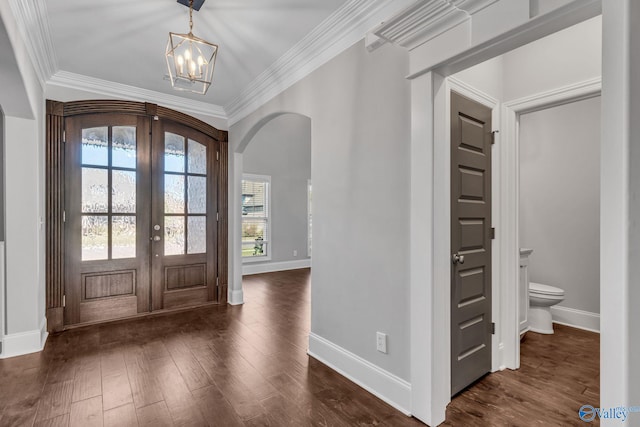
470 241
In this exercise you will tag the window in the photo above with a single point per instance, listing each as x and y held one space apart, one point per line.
255 217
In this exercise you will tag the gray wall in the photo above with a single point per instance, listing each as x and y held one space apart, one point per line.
359 105
560 59
560 199
1 175
282 150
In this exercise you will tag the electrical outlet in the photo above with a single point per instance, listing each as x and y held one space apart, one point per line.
295 252
381 342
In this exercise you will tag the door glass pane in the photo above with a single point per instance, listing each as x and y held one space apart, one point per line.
174 155
197 232
95 190
197 194
94 237
123 193
123 146
197 159
123 237
95 146
174 235
173 193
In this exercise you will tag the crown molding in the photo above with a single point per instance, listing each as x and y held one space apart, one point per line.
119 90
472 6
421 22
425 20
343 28
33 23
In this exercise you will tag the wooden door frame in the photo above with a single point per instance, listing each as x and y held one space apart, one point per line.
56 112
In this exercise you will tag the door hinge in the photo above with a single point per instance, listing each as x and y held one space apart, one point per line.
493 233
64 136
64 300
217 216
64 216
217 155
217 282
493 136
493 328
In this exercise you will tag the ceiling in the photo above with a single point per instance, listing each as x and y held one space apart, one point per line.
123 41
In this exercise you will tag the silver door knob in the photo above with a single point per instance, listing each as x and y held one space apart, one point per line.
457 259
156 238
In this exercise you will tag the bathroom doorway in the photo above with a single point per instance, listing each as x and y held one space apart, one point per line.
559 212
548 72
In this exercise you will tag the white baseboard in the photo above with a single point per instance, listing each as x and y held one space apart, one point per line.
270 267
576 318
25 342
386 386
236 297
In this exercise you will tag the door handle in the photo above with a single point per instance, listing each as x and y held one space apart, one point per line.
457 259
156 238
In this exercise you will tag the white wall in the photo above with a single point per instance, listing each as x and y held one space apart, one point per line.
620 336
568 56
560 59
24 204
1 188
282 150
22 225
560 199
486 77
359 105
634 204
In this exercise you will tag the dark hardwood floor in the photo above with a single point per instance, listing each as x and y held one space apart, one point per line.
247 366
558 374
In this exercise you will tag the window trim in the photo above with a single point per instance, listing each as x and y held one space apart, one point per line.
266 179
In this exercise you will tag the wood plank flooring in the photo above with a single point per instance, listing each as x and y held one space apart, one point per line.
247 366
558 374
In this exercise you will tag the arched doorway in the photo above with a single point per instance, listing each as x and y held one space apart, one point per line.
276 153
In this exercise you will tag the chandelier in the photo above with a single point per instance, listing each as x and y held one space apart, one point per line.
190 60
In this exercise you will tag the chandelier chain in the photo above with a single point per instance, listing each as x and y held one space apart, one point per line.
190 16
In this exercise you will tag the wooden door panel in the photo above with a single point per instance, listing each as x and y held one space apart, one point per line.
184 273
110 276
470 239
106 230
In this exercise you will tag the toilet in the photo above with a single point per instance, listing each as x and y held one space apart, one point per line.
541 299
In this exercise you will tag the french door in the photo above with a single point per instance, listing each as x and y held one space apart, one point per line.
140 216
